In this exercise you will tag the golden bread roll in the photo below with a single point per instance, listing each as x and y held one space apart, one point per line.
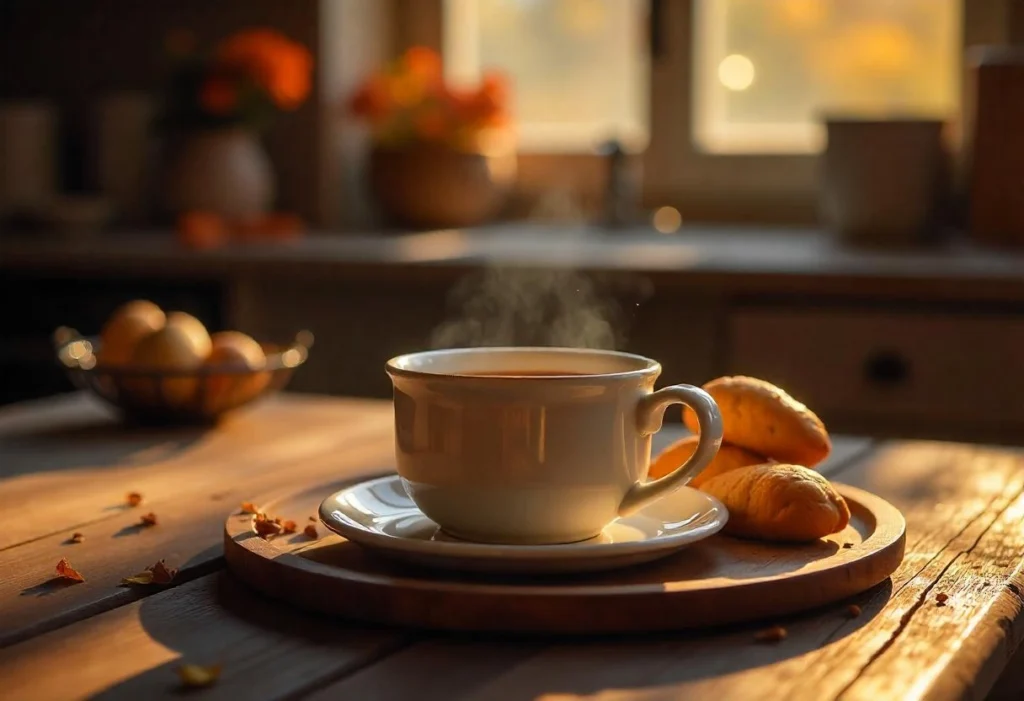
762 418
729 457
779 502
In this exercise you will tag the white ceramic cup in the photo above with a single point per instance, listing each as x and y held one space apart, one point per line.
536 459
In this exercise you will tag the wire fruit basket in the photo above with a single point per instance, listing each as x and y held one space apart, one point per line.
165 396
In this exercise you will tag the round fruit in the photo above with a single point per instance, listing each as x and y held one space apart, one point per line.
244 358
195 330
128 325
235 349
171 349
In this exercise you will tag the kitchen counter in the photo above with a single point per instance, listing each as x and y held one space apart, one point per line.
911 343
745 260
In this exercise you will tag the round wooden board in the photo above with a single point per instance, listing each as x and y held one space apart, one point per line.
717 581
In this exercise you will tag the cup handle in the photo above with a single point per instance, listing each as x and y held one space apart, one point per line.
650 411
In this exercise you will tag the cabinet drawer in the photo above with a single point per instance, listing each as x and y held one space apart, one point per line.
941 367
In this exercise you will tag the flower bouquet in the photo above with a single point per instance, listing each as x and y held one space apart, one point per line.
215 106
442 156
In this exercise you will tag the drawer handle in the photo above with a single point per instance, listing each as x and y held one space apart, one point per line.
886 369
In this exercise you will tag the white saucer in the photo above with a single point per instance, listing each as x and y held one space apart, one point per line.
378 514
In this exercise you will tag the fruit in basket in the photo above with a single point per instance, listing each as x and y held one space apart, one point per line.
236 353
123 330
174 348
194 329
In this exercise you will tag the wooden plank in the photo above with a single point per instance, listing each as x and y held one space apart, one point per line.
959 647
953 497
950 495
104 567
67 466
267 652
188 534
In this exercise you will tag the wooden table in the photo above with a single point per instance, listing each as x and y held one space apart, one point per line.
65 467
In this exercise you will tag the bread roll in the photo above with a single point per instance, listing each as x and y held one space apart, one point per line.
729 457
762 418
779 502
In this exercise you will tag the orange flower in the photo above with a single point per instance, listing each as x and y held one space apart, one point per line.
202 230
423 63
218 96
431 122
488 105
272 61
372 100
406 90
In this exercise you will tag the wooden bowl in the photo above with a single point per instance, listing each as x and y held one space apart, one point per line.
160 396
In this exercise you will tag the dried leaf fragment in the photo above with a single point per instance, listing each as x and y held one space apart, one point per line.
249 508
310 531
289 527
159 573
66 571
195 676
144 577
852 611
847 546
133 499
774 634
148 520
76 538
266 528
162 574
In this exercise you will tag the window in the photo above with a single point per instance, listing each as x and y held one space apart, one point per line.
728 100
579 67
765 71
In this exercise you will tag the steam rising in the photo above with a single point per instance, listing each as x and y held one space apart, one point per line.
517 307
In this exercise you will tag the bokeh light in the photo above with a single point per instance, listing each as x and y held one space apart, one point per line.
667 220
736 72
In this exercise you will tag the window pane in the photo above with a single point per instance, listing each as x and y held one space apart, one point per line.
765 70
579 68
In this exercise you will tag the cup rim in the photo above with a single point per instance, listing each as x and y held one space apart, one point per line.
649 367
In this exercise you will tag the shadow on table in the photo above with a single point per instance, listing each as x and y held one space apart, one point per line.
267 648
91 442
218 619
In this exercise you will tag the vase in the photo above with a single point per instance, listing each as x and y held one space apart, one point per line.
426 185
225 172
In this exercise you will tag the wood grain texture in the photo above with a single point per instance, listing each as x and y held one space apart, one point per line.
963 507
953 496
190 499
268 652
69 469
716 581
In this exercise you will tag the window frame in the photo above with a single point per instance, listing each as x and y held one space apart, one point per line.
774 188
705 187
